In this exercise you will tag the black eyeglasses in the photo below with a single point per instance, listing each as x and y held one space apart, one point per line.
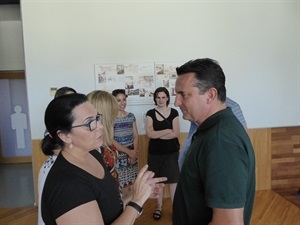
92 125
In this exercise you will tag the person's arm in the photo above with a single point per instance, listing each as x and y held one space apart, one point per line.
89 213
227 216
226 175
135 143
151 133
135 137
122 148
175 130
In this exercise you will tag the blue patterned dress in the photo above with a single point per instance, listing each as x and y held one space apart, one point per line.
123 133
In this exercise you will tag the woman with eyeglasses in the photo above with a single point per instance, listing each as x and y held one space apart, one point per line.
79 189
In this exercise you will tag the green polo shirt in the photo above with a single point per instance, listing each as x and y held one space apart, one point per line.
218 171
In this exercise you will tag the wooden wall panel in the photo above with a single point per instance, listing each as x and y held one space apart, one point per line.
12 74
285 147
260 139
38 159
13 160
277 153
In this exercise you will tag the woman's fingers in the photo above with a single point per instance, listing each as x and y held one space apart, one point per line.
159 179
156 190
147 176
146 185
142 172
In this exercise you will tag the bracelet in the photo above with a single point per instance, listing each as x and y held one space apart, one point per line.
138 208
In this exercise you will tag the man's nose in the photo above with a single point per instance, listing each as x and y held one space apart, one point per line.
177 101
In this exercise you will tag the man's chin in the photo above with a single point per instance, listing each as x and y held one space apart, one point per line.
186 117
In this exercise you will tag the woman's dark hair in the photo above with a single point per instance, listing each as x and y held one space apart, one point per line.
208 74
59 117
118 91
64 90
161 89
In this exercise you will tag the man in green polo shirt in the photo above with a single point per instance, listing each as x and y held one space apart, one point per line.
217 181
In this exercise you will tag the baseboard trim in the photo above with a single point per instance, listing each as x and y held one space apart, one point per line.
12 160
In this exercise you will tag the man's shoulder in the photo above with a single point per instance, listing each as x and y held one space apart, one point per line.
237 111
230 103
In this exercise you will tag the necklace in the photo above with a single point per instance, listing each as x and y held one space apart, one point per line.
162 111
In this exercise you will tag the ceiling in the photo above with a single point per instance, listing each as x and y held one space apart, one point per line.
9 2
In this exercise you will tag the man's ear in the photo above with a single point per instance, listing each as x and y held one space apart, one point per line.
212 95
64 137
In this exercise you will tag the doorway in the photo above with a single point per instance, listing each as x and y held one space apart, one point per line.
16 173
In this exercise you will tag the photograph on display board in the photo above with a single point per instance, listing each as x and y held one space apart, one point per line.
165 76
139 80
136 79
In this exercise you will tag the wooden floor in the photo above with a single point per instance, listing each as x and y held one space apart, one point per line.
269 209
289 194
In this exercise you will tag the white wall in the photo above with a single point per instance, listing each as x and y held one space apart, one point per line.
257 44
11 38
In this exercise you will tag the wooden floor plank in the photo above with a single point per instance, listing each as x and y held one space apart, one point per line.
19 216
147 217
269 209
290 195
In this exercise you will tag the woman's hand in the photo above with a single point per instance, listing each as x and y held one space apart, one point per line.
134 159
132 153
146 186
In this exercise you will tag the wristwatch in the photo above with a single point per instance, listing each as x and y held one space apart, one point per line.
138 208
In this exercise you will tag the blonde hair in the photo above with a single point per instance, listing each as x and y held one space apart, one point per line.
106 104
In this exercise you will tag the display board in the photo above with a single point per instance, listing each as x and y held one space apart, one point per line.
138 79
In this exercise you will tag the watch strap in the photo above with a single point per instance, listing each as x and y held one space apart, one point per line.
138 208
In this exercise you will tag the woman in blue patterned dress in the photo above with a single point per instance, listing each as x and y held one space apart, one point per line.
126 142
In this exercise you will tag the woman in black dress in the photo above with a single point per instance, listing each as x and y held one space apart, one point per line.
163 130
